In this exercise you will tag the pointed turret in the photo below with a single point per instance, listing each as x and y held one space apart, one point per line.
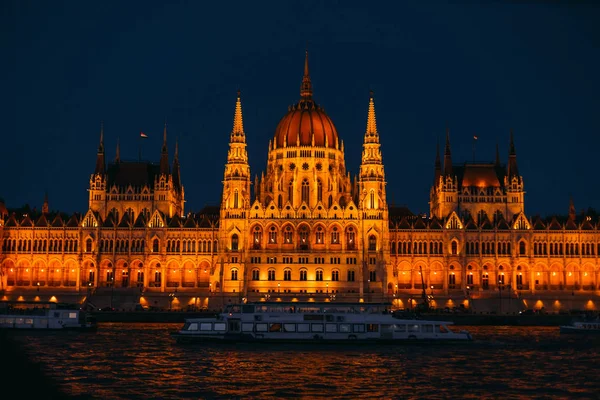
118 152
512 169
100 163
237 133
371 135
176 171
45 208
164 154
447 156
438 165
306 88
571 210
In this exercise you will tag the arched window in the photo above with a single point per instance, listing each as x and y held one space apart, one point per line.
335 236
235 199
319 275
234 274
319 235
255 275
272 235
454 248
350 234
303 236
291 192
88 245
335 275
257 237
271 275
372 199
303 275
288 235
155 246
522 248
234 242
157 277
279 201
305 192
372 243
319 190
287 274
330 202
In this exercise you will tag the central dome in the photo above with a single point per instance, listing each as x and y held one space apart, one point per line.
306 124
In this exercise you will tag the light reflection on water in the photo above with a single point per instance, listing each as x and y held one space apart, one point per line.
141 361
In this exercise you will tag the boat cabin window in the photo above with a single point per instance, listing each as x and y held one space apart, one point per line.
303 328
247 309
441 329
220 326
414 328
358 328
330 327
427 328
345 328
289 327
317 327
261 327
400 328
206 326
275 327
193 326
247 327
372 327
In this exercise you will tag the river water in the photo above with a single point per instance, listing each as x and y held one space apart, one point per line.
141 361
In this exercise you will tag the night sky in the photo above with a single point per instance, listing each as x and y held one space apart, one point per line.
478 69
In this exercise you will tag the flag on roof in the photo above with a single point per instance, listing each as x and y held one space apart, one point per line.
142 134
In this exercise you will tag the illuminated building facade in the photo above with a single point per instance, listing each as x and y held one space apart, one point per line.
304 229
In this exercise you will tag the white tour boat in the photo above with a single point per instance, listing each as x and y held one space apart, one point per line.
585 327
44 316
332 322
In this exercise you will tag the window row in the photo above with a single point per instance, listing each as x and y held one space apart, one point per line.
40 245
302 275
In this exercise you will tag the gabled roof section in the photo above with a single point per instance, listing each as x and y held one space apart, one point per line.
435 223
420 224
521 222
109 222
486 224
12 221
140 221
91 219
73 222
26 222
42 221
571 225
157 220
404 223
453 222
586 225
125 221
502 224
539 225
471 225
58 222
190 222
555 225
175 222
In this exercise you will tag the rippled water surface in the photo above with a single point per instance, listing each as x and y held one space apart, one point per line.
141 361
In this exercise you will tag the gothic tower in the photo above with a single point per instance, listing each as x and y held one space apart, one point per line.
372 204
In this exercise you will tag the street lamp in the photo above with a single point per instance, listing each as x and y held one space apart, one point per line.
327 286
171 298
112 292
500 293
278 286
38 286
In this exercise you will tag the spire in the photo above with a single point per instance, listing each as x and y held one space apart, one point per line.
438 164
164 154
237 133
447 155
497 155
118 152
100 163
176 172
512 169
45 208
306 88
371 135
571 210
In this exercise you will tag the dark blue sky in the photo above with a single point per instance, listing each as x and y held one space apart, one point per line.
477 68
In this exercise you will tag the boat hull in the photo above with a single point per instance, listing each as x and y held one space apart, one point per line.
578 331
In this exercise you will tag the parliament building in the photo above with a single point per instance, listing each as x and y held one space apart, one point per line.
304 229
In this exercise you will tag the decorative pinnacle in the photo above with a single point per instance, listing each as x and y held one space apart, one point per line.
306 88
371 134
238 124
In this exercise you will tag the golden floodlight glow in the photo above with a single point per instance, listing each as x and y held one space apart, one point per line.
27 270
590 305
539 304
585 274
20 298
11 270
36 298
554 273
538 274
42 269
569 274
72 270
190 271
53 299
294 300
